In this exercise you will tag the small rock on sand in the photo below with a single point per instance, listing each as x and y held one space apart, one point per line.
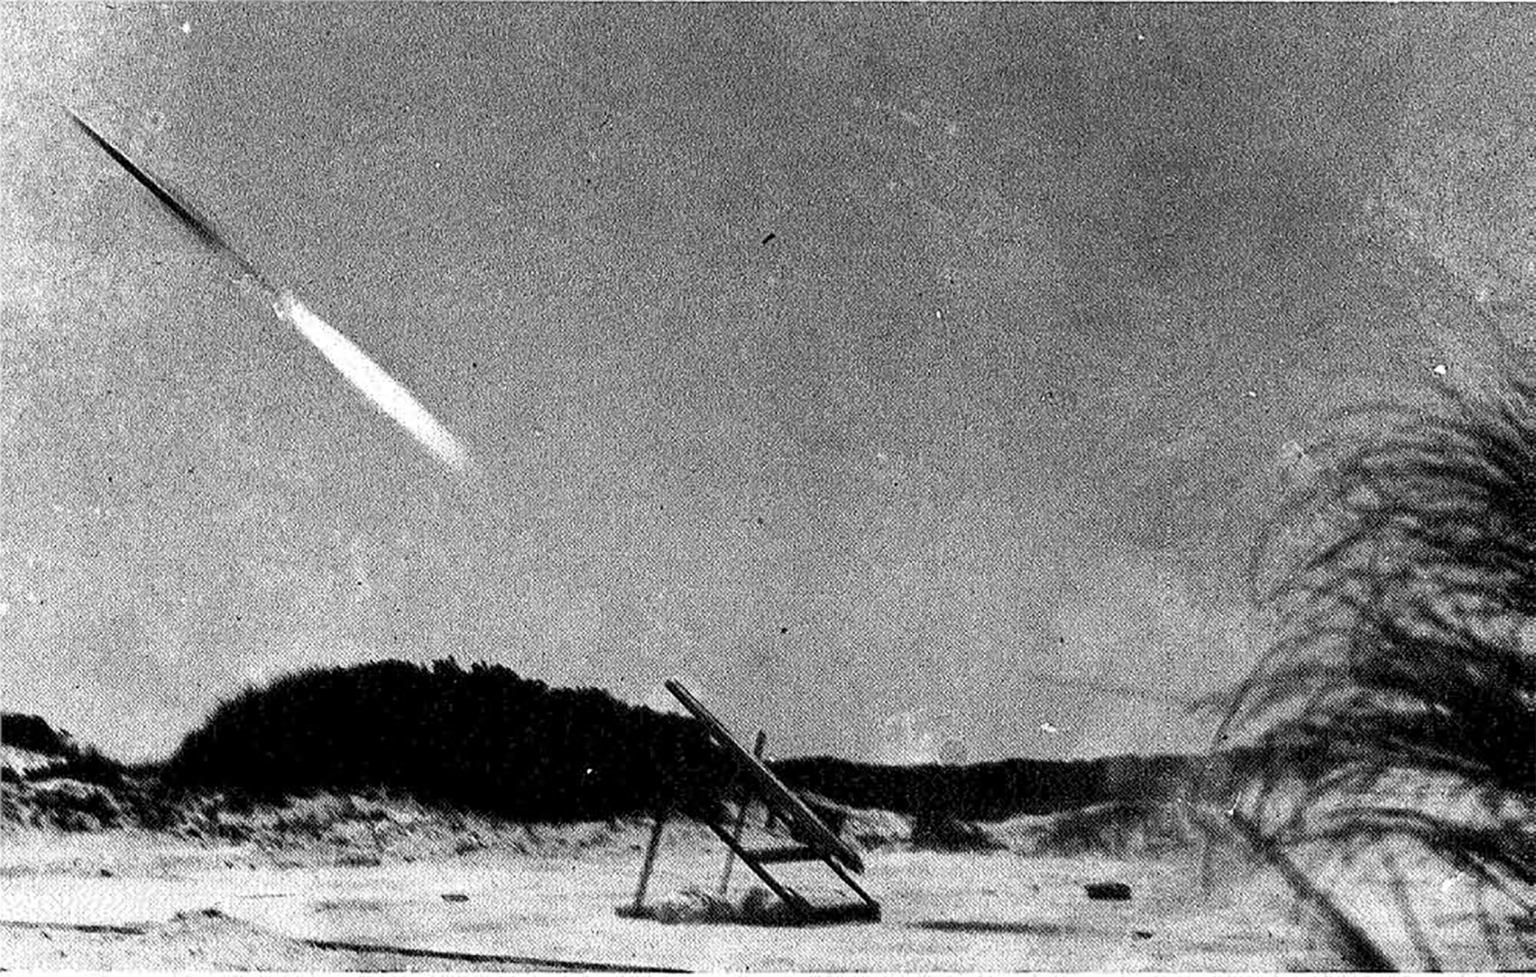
1113 891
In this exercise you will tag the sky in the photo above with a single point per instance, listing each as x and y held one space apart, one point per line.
896 375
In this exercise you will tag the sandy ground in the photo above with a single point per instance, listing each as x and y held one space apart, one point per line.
123 900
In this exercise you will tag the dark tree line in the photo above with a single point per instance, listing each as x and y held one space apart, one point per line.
992 791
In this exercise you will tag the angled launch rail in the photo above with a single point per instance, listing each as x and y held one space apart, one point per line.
814 841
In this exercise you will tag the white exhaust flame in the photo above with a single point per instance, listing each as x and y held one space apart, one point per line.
370 379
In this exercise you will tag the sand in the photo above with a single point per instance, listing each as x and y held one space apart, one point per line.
136 900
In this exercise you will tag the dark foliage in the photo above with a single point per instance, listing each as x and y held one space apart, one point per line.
992 791
1398 581
88 766
483 739
28 732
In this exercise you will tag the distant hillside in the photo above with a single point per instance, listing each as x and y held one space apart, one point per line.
482 738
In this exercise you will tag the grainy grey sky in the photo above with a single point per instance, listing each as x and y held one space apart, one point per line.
851 361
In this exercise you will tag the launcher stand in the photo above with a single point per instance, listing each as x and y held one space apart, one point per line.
814 841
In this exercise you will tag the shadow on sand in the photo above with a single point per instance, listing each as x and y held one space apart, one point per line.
994 926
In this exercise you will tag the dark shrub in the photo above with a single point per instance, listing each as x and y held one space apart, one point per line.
482 738
28 732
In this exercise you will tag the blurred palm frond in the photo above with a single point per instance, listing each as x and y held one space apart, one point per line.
1396 703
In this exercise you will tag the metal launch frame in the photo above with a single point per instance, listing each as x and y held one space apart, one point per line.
813 840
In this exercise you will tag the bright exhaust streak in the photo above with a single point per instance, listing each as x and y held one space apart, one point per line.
370 379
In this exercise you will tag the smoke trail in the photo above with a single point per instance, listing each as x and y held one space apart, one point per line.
370 379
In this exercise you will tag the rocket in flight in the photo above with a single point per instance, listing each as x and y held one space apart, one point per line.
371 380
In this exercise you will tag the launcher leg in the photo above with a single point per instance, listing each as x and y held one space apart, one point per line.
650 860
741 820
730 853
869 900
